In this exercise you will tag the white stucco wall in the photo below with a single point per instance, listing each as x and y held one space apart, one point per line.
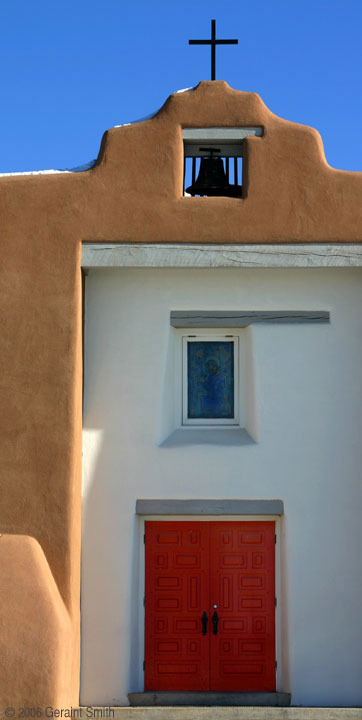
304 407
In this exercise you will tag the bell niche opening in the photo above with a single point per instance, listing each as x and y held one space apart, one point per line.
213 175
213 161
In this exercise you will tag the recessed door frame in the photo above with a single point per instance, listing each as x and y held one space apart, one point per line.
279 610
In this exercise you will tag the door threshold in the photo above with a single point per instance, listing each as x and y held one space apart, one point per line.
155 698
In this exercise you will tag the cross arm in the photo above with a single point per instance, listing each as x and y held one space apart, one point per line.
226 42
213 42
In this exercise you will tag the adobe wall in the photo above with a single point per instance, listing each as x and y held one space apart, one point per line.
132 195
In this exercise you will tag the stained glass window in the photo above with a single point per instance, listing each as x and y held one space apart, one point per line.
210 379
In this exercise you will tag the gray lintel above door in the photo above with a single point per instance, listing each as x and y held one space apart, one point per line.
209 507
242 318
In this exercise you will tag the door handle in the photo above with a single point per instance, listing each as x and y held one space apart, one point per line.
204 621
215 620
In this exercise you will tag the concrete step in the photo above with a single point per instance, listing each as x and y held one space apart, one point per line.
210 699
221 713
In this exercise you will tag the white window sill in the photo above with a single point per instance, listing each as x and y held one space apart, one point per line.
208 436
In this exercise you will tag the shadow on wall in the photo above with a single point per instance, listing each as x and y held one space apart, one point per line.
109 639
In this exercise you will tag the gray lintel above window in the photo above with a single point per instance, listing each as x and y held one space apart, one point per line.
242 318
209 507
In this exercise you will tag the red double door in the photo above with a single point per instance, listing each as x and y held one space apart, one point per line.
210 606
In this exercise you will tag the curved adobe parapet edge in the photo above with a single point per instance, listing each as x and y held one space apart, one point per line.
36 633
134 193
215 103
290 193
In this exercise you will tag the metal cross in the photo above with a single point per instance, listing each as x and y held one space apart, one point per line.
213 42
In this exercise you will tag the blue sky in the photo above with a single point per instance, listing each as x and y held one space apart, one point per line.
69 70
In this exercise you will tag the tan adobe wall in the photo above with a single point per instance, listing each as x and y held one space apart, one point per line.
133 194
37 633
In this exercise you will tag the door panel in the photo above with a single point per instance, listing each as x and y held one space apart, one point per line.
190 567
177 593
242 653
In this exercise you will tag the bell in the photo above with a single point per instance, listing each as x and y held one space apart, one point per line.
211 180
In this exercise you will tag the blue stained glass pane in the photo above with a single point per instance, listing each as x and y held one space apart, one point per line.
210 380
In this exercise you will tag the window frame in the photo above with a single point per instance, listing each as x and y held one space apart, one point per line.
210 422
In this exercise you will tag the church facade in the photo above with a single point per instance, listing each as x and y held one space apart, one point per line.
183 373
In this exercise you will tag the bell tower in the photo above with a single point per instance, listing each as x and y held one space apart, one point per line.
217 177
